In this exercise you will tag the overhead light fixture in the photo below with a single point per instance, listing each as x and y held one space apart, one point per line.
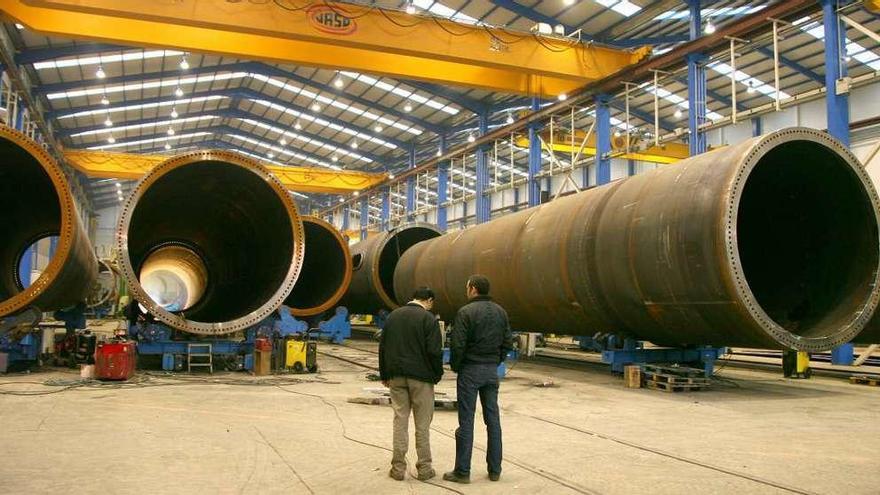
282 142
100 74
710 28
341 200
316 107
407 108
354 144
183 63
111 139
509 118
105 100
616 133
167 146
677 113
439 153
120 200
562 97
357 193
390 176
170 131
270 155
568 2
410 8
471 138
334 158
174 113
297 126
378 128
338 82
178 92
108 122
751 87
118 186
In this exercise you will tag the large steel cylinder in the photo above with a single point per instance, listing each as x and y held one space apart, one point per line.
373 264
326 269
210 242
772 242
36 202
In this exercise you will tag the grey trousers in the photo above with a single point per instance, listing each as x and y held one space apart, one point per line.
409 394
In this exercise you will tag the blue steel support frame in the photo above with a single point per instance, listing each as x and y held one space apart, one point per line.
837 106
346 216
442 186
365 217
534 190
482 171
603 140
757 126
18 124
411 185
696 83
386 208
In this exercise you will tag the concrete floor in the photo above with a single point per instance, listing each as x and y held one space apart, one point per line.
757 433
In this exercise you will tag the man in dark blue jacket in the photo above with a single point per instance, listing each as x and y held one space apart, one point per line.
479 342
410 363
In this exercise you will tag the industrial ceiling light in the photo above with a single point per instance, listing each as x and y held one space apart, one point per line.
178 92
334 158
378 128
282 142
174 113
677 113
270 155
105 100
354 144
751 87
357 193
118 186
509 118
183 63
410 8
562 97
568 2
316 107
170 131
390 176
167 146
439 153
297 126
100 74
341 200
710 28
338 82
111 139
471 138
407 108
108 122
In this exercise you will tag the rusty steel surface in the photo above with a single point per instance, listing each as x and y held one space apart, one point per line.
770 243
235 216
373 262
36 202
326 269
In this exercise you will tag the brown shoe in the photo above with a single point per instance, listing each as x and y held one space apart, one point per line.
456 478
398 475
426 475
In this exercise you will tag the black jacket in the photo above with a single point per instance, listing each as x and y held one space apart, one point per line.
480 335
411 345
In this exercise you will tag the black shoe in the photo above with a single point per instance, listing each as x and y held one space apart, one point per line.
397 475
494 476
456 478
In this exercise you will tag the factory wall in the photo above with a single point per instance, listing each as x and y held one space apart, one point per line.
105 231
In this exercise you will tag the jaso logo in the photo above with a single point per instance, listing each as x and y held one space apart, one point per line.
331 20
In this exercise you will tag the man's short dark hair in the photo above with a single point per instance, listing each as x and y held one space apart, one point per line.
480 283
423 293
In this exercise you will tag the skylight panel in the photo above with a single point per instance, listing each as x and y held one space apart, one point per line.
149 141
307 140
173 122
136 86
105 59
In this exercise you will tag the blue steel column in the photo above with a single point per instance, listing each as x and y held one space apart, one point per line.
482 200
534 185
442 186
757 126
346 216
837 106
696 84
411 185
386 208
19 114
603 140
365 217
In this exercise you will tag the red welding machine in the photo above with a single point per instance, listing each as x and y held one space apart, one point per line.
115 360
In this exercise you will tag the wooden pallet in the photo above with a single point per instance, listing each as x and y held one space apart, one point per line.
675 387
675 379
870 381
682 371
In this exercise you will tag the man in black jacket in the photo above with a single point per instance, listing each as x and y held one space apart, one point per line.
410 363
480 340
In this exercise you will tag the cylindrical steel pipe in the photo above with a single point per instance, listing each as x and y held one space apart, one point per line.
326 269
772 242
36 202
373 264
210 242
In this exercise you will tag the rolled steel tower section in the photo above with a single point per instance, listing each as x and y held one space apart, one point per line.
772 242
210 242
326 269
35 203
373 264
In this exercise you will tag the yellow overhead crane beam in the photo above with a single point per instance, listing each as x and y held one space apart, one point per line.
644 152
336 35
102 164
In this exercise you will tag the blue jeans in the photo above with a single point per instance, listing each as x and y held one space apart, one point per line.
474 379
